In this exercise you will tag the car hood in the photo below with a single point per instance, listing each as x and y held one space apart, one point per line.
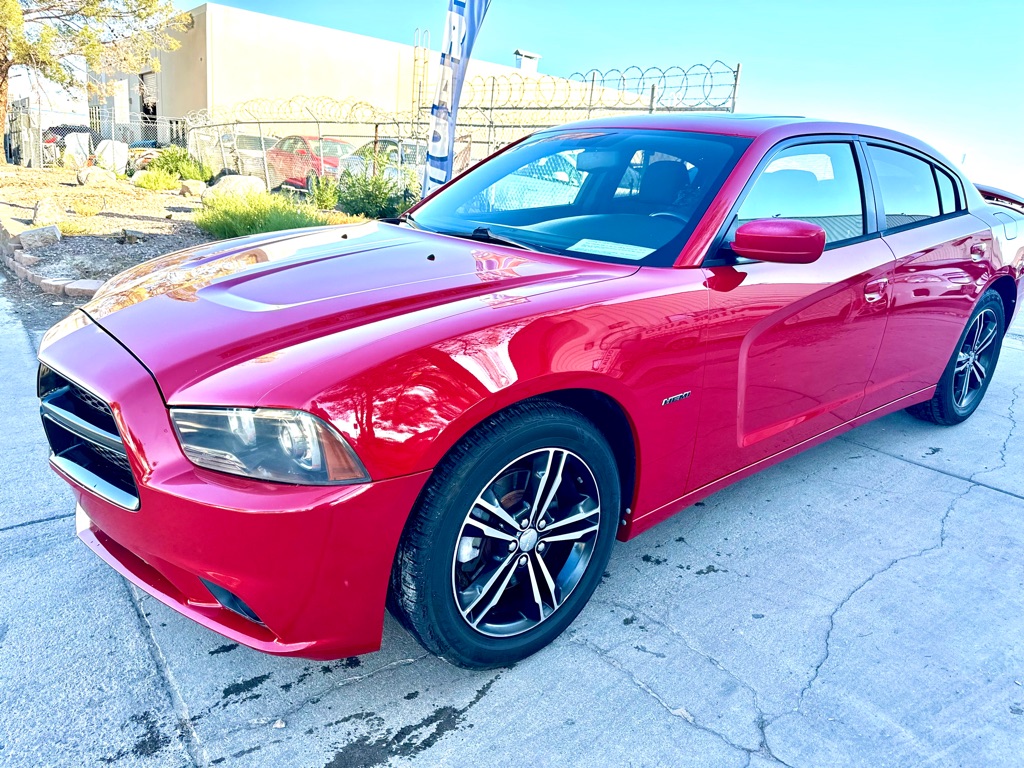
191 314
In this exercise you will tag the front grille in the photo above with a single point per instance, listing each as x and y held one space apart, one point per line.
84 439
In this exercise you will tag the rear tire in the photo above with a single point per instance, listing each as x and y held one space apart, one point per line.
510 537
967 376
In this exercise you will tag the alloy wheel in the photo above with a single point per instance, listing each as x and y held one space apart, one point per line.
974 360
526 542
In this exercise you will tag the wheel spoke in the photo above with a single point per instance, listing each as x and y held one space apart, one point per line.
549 581
976 330
494 533
979 371
985 341
963 360
965 388
498 572
540 508
497 511
574 518
571 536
497 596
536 590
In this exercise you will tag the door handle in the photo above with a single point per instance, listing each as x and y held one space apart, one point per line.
874 291
978 251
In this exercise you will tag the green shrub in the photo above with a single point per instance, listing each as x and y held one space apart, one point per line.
158 180
239 215
379 190
176 160
325 193
191 169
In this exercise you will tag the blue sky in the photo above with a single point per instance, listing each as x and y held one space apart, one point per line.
951 73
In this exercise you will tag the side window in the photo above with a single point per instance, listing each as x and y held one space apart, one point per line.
818 183
909 193
947 191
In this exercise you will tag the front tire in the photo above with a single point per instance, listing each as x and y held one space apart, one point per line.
967 376
510 537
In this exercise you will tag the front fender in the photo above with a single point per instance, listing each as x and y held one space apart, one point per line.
646 353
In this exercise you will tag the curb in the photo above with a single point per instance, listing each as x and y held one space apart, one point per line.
19 263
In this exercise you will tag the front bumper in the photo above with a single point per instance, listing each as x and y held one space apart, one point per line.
312 563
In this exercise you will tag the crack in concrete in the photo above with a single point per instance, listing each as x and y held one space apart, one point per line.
892 563
36 522
194 748
932 468
1009 435
760 721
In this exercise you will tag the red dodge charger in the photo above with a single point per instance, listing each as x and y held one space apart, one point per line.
456 413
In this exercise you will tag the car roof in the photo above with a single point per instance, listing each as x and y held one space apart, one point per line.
335 139
744 125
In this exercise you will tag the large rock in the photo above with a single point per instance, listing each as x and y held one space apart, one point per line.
46 212
112 155
192 188
94 176
234 185
76 150
39 237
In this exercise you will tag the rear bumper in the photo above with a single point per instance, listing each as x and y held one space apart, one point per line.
312 563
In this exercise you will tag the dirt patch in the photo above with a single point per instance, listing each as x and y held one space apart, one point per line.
97 217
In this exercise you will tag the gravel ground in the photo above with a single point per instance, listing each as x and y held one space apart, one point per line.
100 214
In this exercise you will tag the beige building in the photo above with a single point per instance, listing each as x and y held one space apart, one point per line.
229 56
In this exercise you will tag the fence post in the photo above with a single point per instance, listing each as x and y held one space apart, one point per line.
490 119
220 142
319 142
263 154
590 100
376 139
736 86
650 109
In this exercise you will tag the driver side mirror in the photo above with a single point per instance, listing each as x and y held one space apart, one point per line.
784 241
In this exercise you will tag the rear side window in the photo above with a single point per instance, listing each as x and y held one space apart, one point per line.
818 183
909 191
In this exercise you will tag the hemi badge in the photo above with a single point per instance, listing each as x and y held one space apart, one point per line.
675 398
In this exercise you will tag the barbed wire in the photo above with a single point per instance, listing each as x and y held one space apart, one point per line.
698 87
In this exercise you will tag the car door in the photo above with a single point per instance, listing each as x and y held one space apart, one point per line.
791 346
280 159
302 162
941 260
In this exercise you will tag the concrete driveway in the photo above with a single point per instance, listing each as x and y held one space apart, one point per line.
861 604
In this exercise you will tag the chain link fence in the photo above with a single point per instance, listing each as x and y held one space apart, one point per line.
41 138
288 142
296 141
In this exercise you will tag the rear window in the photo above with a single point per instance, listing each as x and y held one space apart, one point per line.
907 184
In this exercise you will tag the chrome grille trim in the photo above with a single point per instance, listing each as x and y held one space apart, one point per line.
84 439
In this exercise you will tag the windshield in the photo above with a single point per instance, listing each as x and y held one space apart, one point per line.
606 194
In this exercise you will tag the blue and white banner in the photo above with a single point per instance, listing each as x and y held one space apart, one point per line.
463 24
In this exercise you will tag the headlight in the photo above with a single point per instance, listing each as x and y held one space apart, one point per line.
267 444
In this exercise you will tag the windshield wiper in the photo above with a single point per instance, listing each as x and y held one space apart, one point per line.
485 235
